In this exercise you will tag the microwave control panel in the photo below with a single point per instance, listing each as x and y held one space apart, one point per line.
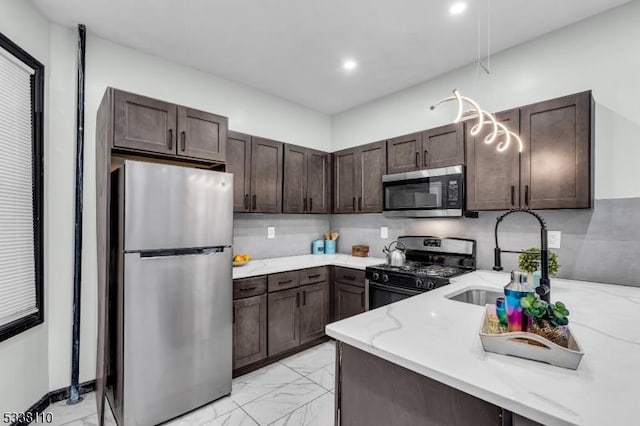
454 192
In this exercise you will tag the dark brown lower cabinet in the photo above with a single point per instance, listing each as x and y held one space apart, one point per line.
249 330
371 391
284 320
314 311
349 300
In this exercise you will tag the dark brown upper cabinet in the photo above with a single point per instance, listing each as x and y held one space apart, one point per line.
372 166
404 153
357 183
239 163
345 176
256 164
430 149
306 180
555 168
443 146
318 181
143 124
201 135
556 165
266 175
146 125
493 178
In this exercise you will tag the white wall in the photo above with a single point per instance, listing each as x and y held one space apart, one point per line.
601 54
109 64
23 358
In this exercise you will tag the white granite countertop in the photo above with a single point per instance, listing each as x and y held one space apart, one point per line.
438 338
291 263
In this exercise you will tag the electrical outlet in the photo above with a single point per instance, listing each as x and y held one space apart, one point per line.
554 238
271 232
384 232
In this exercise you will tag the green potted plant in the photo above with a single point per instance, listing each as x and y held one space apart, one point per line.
529 261
548 320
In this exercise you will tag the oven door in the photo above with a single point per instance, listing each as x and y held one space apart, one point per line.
424 193
384 294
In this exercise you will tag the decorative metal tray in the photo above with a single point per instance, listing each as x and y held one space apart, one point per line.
529 345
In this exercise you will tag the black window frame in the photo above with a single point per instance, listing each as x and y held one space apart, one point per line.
37 110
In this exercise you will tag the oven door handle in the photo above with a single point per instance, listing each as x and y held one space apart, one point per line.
394 289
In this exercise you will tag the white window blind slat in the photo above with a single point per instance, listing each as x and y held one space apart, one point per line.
17 262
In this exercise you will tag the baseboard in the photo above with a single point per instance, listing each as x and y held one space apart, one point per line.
55 396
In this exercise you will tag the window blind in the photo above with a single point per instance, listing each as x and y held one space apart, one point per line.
17 255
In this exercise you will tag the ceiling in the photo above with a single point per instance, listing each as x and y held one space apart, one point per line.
295 49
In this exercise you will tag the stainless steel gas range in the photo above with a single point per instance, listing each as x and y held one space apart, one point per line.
431 262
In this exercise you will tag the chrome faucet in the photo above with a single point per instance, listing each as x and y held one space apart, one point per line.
544 290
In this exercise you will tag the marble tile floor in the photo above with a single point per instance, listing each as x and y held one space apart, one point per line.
295 391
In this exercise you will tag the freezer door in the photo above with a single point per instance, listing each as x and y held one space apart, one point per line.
175 207
177 334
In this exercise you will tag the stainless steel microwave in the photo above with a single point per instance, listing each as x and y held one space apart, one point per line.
424 193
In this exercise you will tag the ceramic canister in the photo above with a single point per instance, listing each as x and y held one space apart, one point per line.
317 247
513 292
329 246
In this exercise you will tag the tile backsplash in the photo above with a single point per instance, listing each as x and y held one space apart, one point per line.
601 244
293 233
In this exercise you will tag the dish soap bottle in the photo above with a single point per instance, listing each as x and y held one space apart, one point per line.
513 292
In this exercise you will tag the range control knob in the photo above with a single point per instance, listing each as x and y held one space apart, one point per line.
420 283
385 278
376 276
431 285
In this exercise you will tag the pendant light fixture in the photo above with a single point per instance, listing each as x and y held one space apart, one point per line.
498 129
484 118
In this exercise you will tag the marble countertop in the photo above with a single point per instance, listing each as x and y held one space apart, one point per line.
438 338
291 263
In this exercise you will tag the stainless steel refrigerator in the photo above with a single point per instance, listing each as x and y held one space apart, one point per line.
171 298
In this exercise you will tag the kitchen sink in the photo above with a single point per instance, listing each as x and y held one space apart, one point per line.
476 296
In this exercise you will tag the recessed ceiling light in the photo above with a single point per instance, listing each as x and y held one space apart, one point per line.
349 64
457 8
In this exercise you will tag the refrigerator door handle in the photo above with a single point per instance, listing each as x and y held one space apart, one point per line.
196 251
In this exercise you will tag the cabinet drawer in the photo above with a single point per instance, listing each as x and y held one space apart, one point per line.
283 281
349 276
248 287
313 275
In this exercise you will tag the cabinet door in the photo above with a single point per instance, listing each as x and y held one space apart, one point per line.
202 135
284 320
294 196
345 192
239 163
556 163
249 330
266 175
443 146
493 178
404 153
318 176
349 300
372 165
144 124
314 312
